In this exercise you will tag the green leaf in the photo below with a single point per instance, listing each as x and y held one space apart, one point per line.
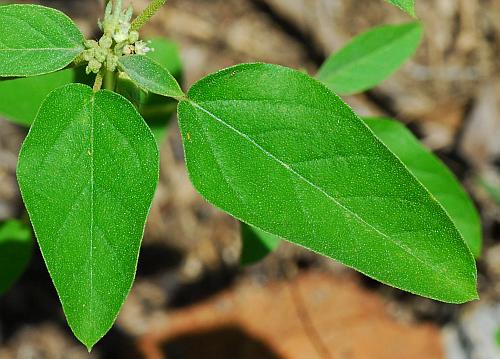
156 110
434 175
279 151
150 76
407 6
166 53
370 58
87 171
256 244
15 252
36 40
22 97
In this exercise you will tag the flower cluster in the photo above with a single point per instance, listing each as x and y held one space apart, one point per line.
117 40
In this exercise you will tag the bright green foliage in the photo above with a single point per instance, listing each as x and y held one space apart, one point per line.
157 110
370 58
150 76
256 244
36 40
15 252
21 98
307 169
434 175
407 6
166 53
87 172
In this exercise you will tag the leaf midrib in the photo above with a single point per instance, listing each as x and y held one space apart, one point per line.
316 187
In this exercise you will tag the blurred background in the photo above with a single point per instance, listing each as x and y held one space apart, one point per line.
191 298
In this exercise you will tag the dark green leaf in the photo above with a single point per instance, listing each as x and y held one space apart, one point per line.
15 252
407 6
279 151
22 97
434 175
88 170
150 76
36 40
370 58
256 244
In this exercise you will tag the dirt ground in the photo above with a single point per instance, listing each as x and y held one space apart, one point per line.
191 299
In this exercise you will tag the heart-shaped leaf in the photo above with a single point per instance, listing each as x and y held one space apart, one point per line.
370 58
279 151
88 170
434 175
36 40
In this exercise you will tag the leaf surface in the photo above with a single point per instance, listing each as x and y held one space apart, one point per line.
150 75
279 151
15 252
22 97
156 110
88 170
256 244
36 40
370 58
407 6
434 175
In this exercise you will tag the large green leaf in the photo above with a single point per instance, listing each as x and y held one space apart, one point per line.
279 151
36 40
256 244
434 175
407 6
22 97
15 252
88 170
370 58
150 76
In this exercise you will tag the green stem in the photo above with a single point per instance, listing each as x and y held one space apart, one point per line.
147 14
98 82
109 80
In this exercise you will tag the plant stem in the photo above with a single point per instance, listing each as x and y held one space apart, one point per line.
109 80
98 82
147 14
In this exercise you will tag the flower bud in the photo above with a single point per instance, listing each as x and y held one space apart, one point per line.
133 37
106 42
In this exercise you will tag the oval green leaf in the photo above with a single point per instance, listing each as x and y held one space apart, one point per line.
434 175
36 40
15 252
88 170
150 76
407 6
279 151
370 58
256 244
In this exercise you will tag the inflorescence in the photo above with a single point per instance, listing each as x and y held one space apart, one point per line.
117 40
